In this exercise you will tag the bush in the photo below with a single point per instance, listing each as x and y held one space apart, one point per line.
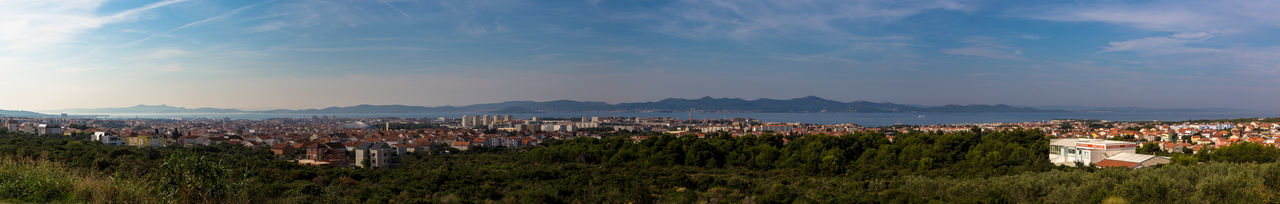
193 178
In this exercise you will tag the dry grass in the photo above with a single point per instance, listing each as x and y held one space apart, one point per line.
39 180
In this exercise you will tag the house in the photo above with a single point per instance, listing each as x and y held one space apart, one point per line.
143 141
106 139
325 154
376 155
461 145
46 129
1069 152
280 149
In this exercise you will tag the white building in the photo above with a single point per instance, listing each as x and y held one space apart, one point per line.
773 128
107 139
1102 153
377 154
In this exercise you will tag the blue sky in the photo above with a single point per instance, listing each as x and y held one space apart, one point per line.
319 53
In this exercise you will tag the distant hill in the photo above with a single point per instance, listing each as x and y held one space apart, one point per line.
809 104
549 106
365 108
983 108
1140 109
14 113
514 109
150 109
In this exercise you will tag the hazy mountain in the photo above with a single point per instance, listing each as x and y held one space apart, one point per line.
514 109
366 108
796 105
549 106
15 113
983 108
1139 109
150 109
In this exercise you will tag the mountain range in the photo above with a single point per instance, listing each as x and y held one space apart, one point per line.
810 104
14 113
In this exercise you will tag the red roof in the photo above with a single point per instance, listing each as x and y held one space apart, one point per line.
279 146
1115 163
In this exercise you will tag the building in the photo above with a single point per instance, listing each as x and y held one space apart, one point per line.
143 141
325 154
47 129
1131 160
281 149
10 126
774 128
1102 153
106 139
376 155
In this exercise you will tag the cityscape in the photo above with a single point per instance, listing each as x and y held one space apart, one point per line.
662 101
326 140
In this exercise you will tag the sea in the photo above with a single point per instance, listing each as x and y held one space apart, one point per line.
864 119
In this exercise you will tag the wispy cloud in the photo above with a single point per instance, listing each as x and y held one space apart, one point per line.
393 7
745 19
1174 44
166 53
199 22
813 58
352 49
1194 31
38 24
1170 16
983 46
476 27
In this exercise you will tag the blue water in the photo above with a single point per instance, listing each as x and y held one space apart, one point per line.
865 119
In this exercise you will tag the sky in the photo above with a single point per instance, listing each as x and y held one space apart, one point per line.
322 53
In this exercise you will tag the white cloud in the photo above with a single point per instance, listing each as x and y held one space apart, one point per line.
755 18
352 49
983 46
166 53
270 26
38 24
199 22
170 68
1197 31
1172 16
475 27
1175 44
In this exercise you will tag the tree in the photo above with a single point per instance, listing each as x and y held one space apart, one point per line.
1245 152
1149 148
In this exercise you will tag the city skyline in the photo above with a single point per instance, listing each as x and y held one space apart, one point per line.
315 54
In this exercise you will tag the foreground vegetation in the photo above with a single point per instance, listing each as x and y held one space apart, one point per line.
966 167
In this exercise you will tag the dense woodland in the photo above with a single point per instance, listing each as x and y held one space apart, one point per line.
966 167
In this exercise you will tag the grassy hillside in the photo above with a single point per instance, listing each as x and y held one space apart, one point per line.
38 180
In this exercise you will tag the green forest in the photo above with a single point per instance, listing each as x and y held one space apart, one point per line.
867 167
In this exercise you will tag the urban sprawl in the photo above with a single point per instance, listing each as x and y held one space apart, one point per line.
378 142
